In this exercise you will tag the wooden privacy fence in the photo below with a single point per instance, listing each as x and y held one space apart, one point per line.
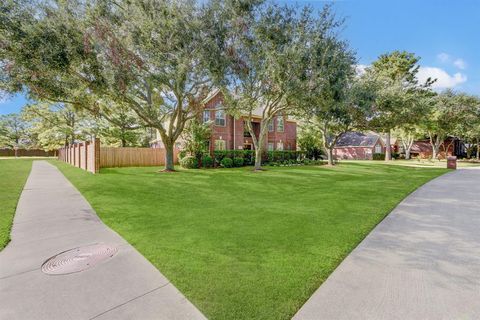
91 157
85 155
26 153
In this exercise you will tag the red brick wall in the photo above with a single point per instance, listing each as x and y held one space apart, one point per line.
356 153
353 153
233 130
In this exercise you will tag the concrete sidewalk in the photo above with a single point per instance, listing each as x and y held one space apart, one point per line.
421 262
51 217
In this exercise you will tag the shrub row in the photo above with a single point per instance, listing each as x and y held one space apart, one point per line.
240 158
305 161
381 156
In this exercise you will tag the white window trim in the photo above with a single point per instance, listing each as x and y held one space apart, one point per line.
280 119
280 146
224 145
224 118
204 113
271 126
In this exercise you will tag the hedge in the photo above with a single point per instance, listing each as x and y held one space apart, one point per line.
248 156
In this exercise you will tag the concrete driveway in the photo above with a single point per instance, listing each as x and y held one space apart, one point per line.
52 217
421 262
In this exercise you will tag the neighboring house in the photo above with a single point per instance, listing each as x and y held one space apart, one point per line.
229 133
423 149
395 143
358 146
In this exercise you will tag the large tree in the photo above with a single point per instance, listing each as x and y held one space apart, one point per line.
407 135
153 56
13 131
56 125
446 112
333 98
267 59
397 92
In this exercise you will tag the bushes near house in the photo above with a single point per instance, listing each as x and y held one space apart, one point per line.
240 158
238 162
182 154
189 162
226 163
378 156
207 161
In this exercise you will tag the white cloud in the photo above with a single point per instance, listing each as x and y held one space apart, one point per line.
360 68
460 64
444 80
443 57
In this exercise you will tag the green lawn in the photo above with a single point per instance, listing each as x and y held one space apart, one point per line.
13 175
245 245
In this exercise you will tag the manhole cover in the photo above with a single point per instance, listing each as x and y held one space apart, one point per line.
78 259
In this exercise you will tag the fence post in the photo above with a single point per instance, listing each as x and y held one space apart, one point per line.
96 155
85 146
74 154
79 150
79 146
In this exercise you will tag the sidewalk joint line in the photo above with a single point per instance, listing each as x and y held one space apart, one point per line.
128 301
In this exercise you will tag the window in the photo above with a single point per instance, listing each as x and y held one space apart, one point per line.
207 146
220 118
378 148
280 146
271 146
280 126
220 145
206 116
270 126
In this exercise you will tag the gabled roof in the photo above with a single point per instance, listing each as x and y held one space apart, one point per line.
212 94
257 112
357 139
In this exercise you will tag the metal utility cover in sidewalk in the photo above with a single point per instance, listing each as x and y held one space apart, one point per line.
78 259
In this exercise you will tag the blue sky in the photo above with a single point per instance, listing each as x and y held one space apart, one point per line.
443 33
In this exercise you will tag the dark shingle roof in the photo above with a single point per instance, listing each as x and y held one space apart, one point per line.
357 139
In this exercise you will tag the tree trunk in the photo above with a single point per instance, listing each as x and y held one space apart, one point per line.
407 154
328 146
258 159
124 143
259 147
258 142
388 147
435 143
330 156
478 149
169 165
435 151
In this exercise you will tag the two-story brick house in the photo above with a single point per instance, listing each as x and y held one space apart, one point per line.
229 133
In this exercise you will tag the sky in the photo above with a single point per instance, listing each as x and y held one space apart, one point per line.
445 34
